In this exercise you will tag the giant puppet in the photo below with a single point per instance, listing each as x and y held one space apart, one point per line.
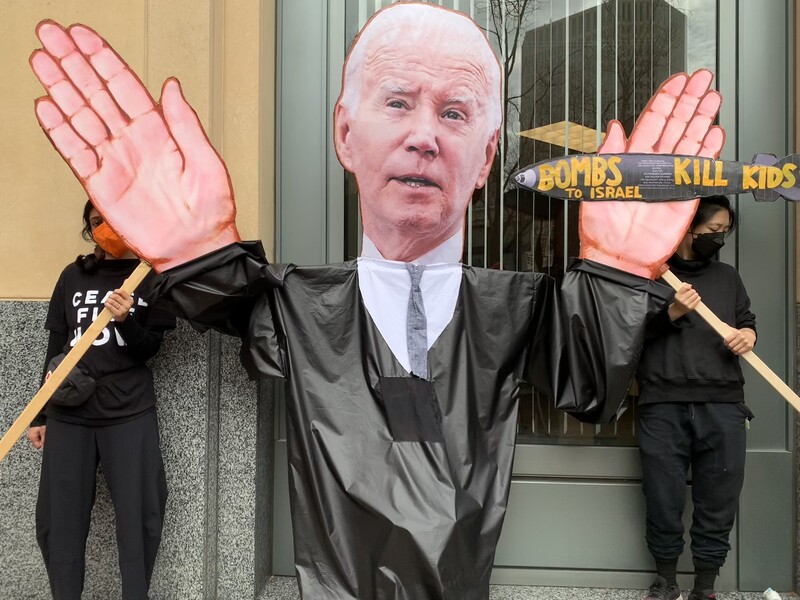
403 366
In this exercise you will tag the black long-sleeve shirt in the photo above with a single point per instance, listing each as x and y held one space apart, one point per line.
686 360
117 358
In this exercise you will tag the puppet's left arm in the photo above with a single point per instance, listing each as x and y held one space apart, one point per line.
587 337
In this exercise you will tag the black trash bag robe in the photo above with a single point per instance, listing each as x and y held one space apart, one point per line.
399 485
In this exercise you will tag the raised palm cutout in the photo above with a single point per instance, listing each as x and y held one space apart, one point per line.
147 167
639 237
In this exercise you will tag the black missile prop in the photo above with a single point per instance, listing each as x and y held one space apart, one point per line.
661 177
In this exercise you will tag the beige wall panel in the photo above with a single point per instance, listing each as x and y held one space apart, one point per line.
214 51
267 204
178 45
240 145
39 231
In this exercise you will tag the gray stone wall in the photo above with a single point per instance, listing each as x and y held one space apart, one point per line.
213 429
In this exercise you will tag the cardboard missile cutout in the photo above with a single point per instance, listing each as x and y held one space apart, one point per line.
661 178
401 374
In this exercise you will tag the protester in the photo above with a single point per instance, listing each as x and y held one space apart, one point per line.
691 408
104 414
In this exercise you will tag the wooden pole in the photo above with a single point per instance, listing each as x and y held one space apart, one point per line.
723 329
70 360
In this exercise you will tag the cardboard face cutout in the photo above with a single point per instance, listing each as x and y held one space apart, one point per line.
417 123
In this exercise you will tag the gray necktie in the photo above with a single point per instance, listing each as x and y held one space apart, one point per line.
417 325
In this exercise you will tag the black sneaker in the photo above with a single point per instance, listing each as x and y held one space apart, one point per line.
660 590
704 595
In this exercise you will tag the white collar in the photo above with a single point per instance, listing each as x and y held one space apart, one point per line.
385 286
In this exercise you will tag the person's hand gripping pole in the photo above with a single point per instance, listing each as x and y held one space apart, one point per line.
70 360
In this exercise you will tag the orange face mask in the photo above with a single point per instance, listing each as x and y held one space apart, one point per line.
109 241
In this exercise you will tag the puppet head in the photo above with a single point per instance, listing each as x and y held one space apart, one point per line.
417 123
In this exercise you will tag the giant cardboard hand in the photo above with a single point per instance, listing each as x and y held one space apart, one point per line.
639 237
148 168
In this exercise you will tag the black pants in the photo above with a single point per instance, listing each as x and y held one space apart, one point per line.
134 470
709 437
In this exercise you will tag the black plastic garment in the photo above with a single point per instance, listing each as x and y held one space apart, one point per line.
399 485
598 336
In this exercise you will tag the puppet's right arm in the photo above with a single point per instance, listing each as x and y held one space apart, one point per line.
231 290
589 334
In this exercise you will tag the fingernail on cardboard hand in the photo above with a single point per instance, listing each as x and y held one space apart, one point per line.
400 469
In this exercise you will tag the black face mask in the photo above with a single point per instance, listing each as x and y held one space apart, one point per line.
706 245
